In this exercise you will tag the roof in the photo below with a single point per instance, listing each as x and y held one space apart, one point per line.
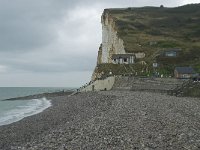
118 56
185 70
173 49
170 50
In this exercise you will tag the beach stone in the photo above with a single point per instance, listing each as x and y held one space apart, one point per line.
109 120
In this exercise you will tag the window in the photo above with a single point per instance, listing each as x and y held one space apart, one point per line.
171 54
125 59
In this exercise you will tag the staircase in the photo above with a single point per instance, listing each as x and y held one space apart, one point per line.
182 89
165 85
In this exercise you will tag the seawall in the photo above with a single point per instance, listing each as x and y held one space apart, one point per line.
124 83
100 85
146 84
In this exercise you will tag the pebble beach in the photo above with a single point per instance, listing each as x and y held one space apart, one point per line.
109 120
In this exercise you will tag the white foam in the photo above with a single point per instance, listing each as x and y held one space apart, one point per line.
33 107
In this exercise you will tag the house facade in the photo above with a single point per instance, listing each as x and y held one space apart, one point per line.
184 72
123 58
151 43
171 52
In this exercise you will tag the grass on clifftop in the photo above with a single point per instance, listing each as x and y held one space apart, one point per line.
169 27
122 69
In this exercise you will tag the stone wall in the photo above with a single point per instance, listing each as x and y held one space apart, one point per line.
146 84
100 85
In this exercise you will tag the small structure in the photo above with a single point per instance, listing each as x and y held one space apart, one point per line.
184 72
171 52
155 65
123 58
151 43
139 55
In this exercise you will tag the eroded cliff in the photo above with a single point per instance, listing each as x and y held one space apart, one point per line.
146 32
111 42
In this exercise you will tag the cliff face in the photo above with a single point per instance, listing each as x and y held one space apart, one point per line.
147 32
111 43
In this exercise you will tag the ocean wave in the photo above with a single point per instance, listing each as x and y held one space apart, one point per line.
32 107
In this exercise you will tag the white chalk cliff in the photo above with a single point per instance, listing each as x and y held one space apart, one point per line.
111 43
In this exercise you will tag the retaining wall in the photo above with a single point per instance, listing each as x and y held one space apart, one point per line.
146 84
100 85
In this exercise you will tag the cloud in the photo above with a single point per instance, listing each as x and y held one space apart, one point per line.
3 69
27 25
190 1
71 79
54 37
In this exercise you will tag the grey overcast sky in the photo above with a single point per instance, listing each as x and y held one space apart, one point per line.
55 42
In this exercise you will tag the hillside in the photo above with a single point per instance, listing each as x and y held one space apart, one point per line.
154 29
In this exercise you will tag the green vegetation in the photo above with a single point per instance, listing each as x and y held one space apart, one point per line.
168 27
167 44
185 58
132 69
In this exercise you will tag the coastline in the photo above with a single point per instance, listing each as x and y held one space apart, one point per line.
35 104
30 127
42 95
108 120
32 107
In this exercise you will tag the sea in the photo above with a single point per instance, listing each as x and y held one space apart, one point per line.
13 111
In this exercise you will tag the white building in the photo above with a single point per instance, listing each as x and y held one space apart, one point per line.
123 58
